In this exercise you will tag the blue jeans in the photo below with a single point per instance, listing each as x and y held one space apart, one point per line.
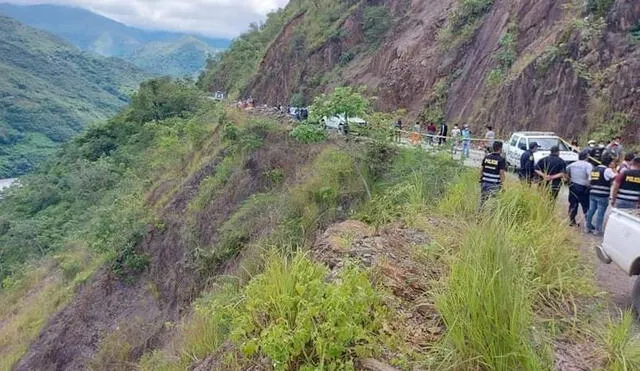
466 147
597 205
623 204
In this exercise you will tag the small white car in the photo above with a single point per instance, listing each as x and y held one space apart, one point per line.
520 141
620 245
339 123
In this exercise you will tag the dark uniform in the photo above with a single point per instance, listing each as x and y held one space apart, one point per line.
596 154
629 192
552 165
492 165
599 193
527 166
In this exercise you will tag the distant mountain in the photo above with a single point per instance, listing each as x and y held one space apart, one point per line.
50 90
158 52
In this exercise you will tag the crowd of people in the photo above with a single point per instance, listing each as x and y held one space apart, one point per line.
603 176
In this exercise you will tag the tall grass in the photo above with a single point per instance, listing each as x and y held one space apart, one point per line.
622 346
515 262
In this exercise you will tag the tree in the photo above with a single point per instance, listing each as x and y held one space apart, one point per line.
345 101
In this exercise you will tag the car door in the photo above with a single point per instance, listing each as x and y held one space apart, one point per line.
512 153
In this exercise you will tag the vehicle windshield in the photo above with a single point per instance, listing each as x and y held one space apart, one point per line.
545 144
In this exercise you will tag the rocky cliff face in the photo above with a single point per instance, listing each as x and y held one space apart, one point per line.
566 66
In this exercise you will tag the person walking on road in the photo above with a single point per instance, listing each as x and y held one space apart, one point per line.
456 133
600 180
527 164
626 189
466 141
442 135
579 174
552 169
492 173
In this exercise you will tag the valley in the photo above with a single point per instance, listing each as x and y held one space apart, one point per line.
176 231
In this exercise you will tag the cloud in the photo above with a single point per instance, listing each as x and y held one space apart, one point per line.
215 18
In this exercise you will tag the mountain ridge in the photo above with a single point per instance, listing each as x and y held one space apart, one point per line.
95 33
50 91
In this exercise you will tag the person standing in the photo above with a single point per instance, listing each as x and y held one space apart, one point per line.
442 135
466 141
626 188
456 133
492 173
490 137
398 131
527 164
615 149
579 174
600 180
431 132
626 164
552 169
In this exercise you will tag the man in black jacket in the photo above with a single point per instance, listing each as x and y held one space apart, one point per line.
552 169
528 164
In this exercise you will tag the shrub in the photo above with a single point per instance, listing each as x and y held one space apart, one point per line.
467 12
297 100
345 58
376 23
600 8
298 319
309 133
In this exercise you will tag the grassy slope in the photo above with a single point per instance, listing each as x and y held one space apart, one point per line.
50 92
184 57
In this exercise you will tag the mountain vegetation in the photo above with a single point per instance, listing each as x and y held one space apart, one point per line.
157 52
184 233
486 54
50 91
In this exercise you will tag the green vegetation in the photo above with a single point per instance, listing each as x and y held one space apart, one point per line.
505 57
92 190
622 346
463 22
342 101
600 8
377 22
157 52
50 92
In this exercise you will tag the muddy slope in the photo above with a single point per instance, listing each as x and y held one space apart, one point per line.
136 313
541 90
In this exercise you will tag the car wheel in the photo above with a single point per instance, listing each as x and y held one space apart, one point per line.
635 296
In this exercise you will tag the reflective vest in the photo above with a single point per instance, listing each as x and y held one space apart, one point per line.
600 187
491 168
630 186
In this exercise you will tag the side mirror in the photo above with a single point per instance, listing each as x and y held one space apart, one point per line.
522 146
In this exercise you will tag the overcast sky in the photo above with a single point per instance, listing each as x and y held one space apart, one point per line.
215 18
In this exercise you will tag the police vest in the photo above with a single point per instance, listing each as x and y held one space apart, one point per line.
630 186
491 169
600 187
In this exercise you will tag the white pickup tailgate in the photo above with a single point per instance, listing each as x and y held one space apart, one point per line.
622 238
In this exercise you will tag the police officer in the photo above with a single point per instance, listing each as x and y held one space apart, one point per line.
492 173
596 152
626 189
601 178
528 164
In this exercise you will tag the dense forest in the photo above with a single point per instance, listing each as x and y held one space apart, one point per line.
50 91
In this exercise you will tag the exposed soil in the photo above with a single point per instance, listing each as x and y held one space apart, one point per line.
137 312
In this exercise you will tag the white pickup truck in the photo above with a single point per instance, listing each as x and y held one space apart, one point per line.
521 140
621 245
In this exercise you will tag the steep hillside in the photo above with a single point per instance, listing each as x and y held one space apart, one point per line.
157 52
50 91
183 235
568 66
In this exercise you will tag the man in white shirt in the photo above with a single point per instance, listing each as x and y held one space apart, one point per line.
579 174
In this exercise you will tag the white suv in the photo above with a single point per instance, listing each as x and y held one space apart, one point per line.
520 142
